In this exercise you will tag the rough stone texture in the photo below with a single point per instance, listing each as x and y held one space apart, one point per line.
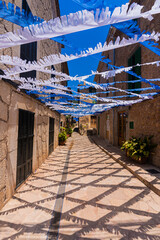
9 136
4 111
146 119
5 93
11 101
145 115
3 130
5 27
85 122
3 149
46 10
2 175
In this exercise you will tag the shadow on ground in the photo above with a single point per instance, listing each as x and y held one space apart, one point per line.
81 193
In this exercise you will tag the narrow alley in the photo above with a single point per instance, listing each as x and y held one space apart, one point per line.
81 193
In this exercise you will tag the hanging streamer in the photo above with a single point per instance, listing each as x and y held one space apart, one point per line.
130 28
76 22
106 74
50 87
56 59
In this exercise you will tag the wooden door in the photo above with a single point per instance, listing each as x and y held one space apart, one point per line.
121 128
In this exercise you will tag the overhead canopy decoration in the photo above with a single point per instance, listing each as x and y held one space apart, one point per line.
92 4
76 22
68 101
18 16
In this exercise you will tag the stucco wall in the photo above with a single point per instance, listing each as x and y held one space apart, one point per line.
11 101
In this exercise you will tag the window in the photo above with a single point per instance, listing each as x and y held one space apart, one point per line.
52 75
133 60
92 90
28 51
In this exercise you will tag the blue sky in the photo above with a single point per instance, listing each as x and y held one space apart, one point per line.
84 39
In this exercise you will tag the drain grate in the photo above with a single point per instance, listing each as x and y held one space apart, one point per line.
153 171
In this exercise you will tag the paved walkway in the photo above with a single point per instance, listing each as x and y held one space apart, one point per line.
147 173
81 193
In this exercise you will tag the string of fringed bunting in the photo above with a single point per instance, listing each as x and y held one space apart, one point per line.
50 87
96 108
22 66
22 18
14 14
60 58
75 22
68 102
130 28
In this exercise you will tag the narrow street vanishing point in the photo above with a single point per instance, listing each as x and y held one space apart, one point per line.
81 193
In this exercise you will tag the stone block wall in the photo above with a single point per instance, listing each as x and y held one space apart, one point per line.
85 122
11 101
46 10
146 118
145 115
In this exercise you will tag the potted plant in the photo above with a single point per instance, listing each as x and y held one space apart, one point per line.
139 149
62 129
62 138
69 131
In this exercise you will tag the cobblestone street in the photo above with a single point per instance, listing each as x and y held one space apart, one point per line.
81 193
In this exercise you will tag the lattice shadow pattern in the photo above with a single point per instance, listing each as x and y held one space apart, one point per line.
81 193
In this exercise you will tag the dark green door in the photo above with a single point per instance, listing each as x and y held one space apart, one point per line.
25 145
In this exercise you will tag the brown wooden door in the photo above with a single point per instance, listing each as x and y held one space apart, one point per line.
121 128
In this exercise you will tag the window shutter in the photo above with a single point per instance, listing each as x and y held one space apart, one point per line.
138 69
28 51
134 60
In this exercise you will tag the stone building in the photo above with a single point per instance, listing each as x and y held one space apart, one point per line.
121 123
87 122
28 129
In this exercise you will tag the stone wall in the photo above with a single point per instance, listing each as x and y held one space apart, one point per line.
106 121
85 121
46 10
146 118
11 101
145 115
